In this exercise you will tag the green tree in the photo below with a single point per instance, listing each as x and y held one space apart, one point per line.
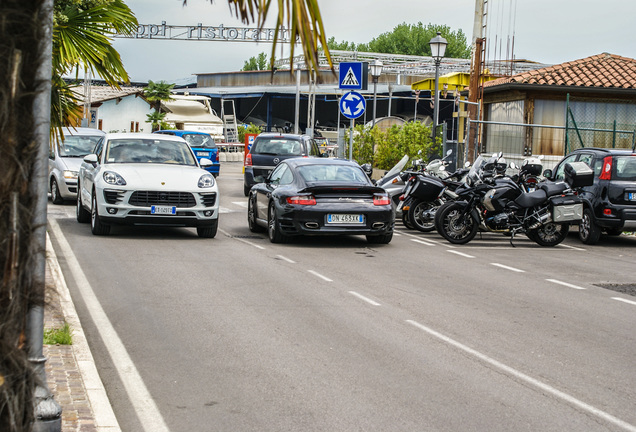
250 129
257 63
156 119
157 92
411 39
81 40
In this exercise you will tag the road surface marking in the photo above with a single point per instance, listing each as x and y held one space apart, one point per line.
141 399
508 268
240 203
624 300
570 247
361 297
286 259
320 276
465 255
242 240
565 284
528 379
423 242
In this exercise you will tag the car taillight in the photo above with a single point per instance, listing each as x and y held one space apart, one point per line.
606 172
217 156
381 199
248 159
607 211
301 200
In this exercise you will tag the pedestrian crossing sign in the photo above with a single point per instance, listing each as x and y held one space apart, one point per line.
354 75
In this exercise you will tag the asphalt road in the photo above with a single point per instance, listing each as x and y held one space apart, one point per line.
332 334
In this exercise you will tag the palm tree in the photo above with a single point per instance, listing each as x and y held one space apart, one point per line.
156 119
82 40
158 92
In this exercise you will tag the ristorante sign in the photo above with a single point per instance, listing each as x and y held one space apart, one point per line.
209 33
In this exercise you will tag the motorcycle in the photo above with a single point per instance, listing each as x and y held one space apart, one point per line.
497 203
424 194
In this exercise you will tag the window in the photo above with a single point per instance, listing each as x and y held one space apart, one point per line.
280 175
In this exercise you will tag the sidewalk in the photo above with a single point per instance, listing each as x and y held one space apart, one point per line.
70 369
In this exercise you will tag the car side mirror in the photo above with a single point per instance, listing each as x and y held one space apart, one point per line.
91 159
205 163
547 173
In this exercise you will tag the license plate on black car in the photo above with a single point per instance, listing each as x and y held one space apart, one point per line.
631 196
345 219
163 210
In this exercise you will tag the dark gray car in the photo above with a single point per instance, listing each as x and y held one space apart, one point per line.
269 149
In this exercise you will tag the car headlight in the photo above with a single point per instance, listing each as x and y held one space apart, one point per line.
206 181
71 175
114 179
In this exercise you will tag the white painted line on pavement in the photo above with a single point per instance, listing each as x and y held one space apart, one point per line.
508 268
465 255
570 247
423 242
361 297
240 203
105 419
241 240
141 399
528 379
624 300
224 210
565 284
320 276
286 259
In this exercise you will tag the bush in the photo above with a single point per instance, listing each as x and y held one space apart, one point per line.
251 128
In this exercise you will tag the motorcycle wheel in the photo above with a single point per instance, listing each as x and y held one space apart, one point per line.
421 217
550 234
405 220
453 225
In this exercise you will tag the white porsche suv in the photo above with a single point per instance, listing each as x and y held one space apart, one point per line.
146 179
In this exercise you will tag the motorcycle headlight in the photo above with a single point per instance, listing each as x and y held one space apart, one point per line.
206 181
113 178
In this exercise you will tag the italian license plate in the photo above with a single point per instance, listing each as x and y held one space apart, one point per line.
345 219
202 154
631 196
163 210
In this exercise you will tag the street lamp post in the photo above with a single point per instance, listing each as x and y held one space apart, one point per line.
438 47
376 71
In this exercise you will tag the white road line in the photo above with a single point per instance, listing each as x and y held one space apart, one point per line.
528 379
141 399
565 284
320 276
224 210
361 297
508 268
624 300
242 240
465 255
570 247
422 242
240 203
286 259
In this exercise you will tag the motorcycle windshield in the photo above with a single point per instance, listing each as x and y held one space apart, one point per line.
398 167
475 170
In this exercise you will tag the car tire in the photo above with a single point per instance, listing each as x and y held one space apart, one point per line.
208 231
273 227
97 226
380 239
589 232
81 214
251 216
56 198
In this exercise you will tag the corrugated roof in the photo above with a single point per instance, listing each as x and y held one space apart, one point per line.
605 70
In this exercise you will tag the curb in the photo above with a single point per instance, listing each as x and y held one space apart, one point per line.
105 420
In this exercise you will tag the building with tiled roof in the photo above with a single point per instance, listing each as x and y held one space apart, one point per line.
119 110
555 109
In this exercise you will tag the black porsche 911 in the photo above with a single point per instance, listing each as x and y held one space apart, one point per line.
313 196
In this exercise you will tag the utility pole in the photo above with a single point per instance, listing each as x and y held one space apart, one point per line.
476 67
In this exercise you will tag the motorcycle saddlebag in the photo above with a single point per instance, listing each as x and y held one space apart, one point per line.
566 208
578 174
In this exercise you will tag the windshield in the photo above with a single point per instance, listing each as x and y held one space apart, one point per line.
77 145
137 150
333 173
475 169
200 140
277 146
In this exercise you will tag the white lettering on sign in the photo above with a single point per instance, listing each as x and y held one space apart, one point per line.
201 32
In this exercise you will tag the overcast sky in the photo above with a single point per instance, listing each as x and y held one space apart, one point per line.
546 31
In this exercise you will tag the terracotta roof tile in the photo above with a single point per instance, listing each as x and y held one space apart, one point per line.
602 70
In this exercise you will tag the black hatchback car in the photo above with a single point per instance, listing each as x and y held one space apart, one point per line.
610 203
269 149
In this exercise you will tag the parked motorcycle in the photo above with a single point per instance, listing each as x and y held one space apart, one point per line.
497 203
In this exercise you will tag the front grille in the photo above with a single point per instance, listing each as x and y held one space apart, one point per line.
150 198
208 199
112 196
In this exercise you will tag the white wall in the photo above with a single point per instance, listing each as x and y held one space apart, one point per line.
116 116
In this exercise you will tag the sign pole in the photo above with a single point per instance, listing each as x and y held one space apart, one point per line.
351 139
